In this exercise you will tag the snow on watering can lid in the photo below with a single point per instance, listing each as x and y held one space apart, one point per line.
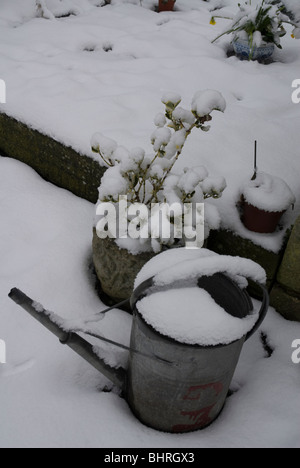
182 264
199 297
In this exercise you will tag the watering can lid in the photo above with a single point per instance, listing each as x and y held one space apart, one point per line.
182 264
222 277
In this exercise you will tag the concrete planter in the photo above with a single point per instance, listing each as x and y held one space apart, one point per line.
285 296
116 268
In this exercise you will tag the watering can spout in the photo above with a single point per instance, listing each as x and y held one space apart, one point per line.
73 340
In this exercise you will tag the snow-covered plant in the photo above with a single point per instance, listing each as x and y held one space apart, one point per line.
148 178
51 9
259 21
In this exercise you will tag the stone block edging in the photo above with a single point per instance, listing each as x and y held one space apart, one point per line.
55 162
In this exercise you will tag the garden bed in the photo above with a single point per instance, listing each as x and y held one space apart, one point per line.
55 162
229 243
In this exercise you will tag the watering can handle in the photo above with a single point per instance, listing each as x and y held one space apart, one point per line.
263 311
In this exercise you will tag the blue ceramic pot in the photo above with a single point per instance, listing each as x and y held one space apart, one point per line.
243 51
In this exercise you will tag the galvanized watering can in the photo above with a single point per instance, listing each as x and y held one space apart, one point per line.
169 386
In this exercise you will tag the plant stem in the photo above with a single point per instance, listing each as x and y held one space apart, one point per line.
255 161
161 182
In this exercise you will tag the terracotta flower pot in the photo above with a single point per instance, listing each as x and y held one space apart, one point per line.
264 200
257 220
166 5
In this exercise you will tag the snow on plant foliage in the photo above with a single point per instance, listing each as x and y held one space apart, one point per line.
149 179
51 9
259 21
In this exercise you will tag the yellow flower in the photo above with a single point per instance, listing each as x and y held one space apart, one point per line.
213 21
292 35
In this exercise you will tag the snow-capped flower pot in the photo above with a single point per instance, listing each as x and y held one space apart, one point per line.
166 5
257 28
194 321
264 201
244 51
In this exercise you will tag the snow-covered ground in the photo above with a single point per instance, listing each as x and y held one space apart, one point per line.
52 398
105 70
